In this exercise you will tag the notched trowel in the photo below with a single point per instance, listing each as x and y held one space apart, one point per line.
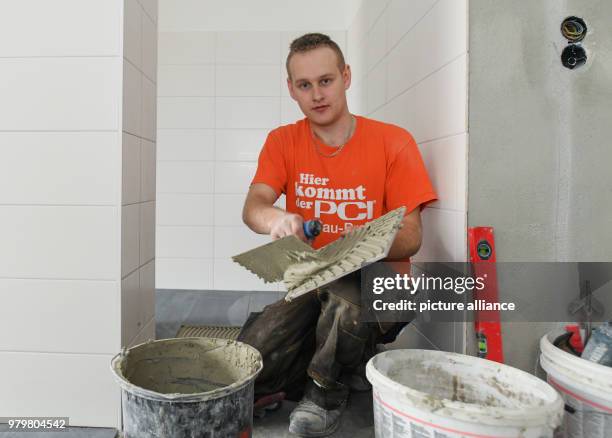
304 269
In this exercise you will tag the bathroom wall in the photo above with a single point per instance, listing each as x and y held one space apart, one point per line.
409 63
538 159
76 185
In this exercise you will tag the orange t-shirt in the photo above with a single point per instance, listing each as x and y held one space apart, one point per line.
378 170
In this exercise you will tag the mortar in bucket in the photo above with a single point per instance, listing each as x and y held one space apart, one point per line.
187 387
448 395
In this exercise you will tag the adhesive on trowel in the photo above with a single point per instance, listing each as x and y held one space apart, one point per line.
303 268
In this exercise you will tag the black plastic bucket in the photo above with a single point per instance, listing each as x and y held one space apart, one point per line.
187 387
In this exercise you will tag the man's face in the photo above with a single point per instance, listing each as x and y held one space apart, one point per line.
318 85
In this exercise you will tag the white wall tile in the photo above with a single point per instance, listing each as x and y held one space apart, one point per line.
228 210
186 112
185 209
184 242
132 30
184 177
59 93
440 37
233 177
131 169
356 99
185 144
151 8
31 383
147 173
290 111
59 168
356 59
149 109
130 238
247 112
147 291
146 334
132 99
231 276
186 80
239 144
373 10
43 28
376 86
130 321
180 273
149 48
230 241
247 48
439 236
401 16
31 236
147 232
186 48
32 318
247 80
376 43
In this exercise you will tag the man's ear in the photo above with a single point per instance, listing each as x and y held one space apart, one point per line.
346 76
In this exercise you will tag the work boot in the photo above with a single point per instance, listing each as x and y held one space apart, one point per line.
318 413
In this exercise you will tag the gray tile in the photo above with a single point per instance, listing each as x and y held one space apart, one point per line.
258 300
223 308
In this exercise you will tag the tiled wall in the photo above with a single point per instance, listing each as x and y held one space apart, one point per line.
409 65
138 175
219 95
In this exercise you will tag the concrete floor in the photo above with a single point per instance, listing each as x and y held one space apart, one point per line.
174 308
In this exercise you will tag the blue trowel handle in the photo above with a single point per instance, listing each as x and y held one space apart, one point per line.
312 228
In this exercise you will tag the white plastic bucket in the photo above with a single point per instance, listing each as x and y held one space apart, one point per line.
435 394
585 386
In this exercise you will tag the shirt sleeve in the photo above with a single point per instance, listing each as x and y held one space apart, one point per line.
408 183
271 166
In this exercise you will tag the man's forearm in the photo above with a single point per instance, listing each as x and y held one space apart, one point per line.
408 238
258 216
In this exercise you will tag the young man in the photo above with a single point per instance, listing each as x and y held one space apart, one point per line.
346 170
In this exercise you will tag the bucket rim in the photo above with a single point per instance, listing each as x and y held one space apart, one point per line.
128 386
550 414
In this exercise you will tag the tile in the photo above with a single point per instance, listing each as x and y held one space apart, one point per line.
356 59
228 210
57 94
130 238
147 333
147 170
218 309
149 48
431 47
59 168
247 48
402 16
186 144
132 30
130 313
439 236
376 43
31 383
86 321
372 11
356 34
130 180
185 209
186 112
247 112
231 276
376 86
186 48
239 144
184 242
150 7
51 30
132 99
184 177
230 241
147 291
147 232
186 80
290 111
247 80
356 98
180 273
31 236
258 300
233 177
148 126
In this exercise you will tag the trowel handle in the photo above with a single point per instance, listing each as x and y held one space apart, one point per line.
312 228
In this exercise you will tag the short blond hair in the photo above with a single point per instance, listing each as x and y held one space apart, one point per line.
311 41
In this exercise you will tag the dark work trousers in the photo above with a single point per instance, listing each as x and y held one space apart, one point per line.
319 335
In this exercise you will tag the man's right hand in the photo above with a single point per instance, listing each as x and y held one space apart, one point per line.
286 225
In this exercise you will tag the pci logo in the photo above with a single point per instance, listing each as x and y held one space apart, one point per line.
349 204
